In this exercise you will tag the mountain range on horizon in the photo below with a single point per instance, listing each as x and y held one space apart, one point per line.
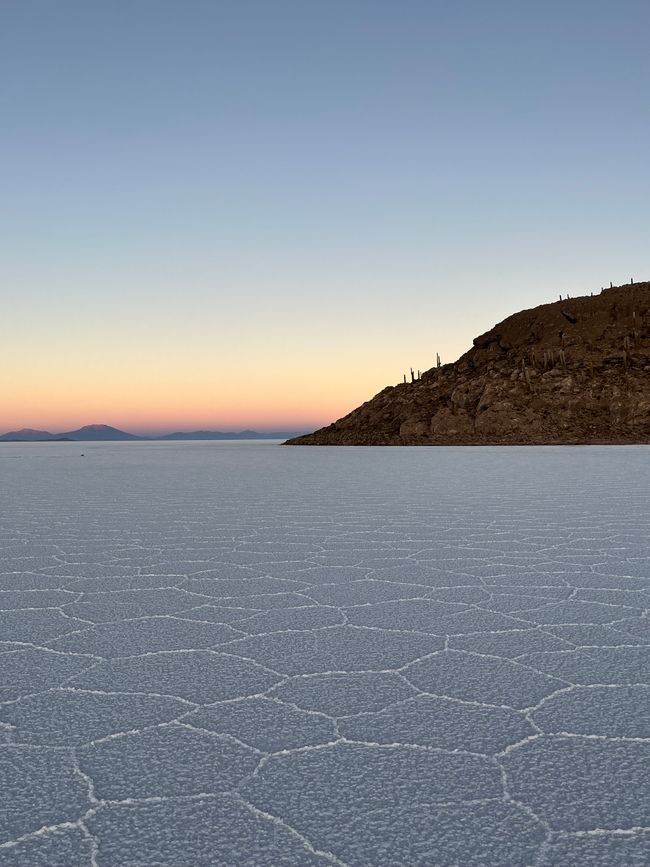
106 433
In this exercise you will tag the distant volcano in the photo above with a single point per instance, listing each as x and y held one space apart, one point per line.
574 371
89 432
101 432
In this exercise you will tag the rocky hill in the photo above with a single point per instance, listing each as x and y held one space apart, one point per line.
574 371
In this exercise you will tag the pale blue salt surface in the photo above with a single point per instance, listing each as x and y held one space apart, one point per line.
240 654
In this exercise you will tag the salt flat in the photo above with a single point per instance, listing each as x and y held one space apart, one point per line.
241 654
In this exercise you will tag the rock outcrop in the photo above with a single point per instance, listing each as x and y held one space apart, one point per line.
574 371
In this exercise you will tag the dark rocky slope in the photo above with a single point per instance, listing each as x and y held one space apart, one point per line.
574 371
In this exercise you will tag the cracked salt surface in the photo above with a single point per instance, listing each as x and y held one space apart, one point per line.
231 654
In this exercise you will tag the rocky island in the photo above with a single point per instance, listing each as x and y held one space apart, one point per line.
573 371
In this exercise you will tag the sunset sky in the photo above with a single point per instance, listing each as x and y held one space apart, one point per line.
258 213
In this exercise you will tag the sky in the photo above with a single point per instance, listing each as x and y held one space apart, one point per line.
259 213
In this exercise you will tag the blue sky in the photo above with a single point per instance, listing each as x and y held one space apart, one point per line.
301 199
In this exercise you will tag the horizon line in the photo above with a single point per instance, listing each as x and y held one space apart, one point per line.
164 431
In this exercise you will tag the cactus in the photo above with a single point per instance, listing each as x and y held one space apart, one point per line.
437 360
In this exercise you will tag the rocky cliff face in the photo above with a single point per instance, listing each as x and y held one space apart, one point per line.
574 371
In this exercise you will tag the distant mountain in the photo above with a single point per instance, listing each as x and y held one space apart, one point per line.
26 435
97 432
104 432
225 435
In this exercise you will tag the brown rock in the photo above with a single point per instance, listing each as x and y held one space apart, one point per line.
549 375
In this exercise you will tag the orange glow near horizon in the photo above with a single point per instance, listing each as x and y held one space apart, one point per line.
155 401
157 368
179 362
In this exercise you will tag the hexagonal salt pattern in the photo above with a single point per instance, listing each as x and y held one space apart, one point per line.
238 654
56 847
